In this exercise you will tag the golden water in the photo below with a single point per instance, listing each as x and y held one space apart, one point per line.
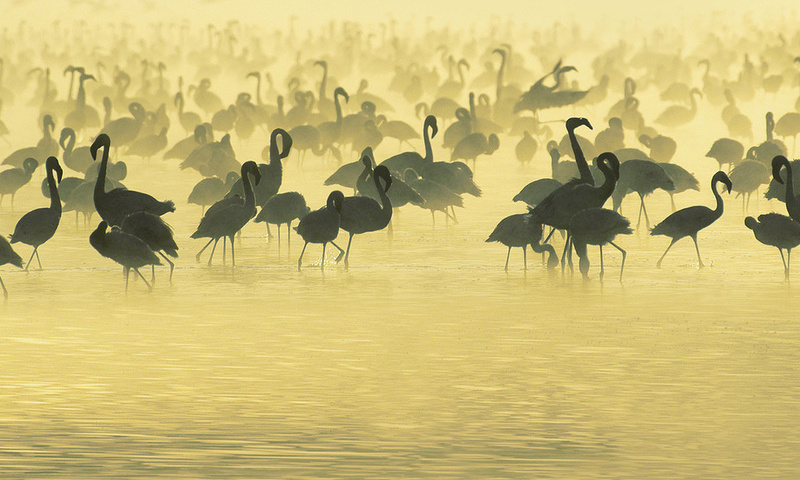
424 359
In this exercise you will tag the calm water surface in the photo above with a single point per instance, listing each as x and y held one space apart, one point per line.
423 360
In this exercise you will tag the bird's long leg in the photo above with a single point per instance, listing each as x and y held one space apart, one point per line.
347 253
233 257
127 271
624 254
171 265
149 287
300 260
279 238
153 272
322 262
639 220
433 217
269 233
672 201
224 242
564 253
29 260
788 262
507 257
646 218
658 264
694 237
5 292
455 220
785 267
197 257
212 251
341 252
602 269
524 257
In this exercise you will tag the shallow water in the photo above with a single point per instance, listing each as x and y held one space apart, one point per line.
424 359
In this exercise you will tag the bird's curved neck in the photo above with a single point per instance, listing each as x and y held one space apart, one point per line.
100 183
718 197
580 159
554 164
324 83
428 148
607 188
789 184
55 200
338 105
386 204
70 143
500 73
249 196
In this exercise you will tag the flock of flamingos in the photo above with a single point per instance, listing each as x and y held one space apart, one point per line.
475 113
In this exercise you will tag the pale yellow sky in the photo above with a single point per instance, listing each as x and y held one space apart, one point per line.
533 12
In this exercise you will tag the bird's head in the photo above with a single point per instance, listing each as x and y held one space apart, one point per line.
102 140
777 164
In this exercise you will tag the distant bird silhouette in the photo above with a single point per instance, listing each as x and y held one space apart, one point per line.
125 130
46 147
8 255
149 145
117 204
209 191
642 177
519 231
526 148
662 148
123 248
436 197
681 179
746 178
686 222
538 190
283 208
78 159
778 231
155 233
726 151
677 115
227 221
38 226
400 195
13 179
322 226
612 138
597 226
792 202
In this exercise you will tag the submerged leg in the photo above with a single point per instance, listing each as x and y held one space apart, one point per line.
149 287
524 257
658 264
507 256
347 253
5 292
233 257
197 257
646 218
300 260
29 260
341 252
39 261
127 271
212 251
694 237
624 254
322 262
602 269
171 265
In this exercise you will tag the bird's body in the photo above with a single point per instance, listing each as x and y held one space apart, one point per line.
321 226
228 220
688 221
519 231
125 249
38 226
363 214
13 179
792 201
597 226
776 230
115 205
283 208
153 231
